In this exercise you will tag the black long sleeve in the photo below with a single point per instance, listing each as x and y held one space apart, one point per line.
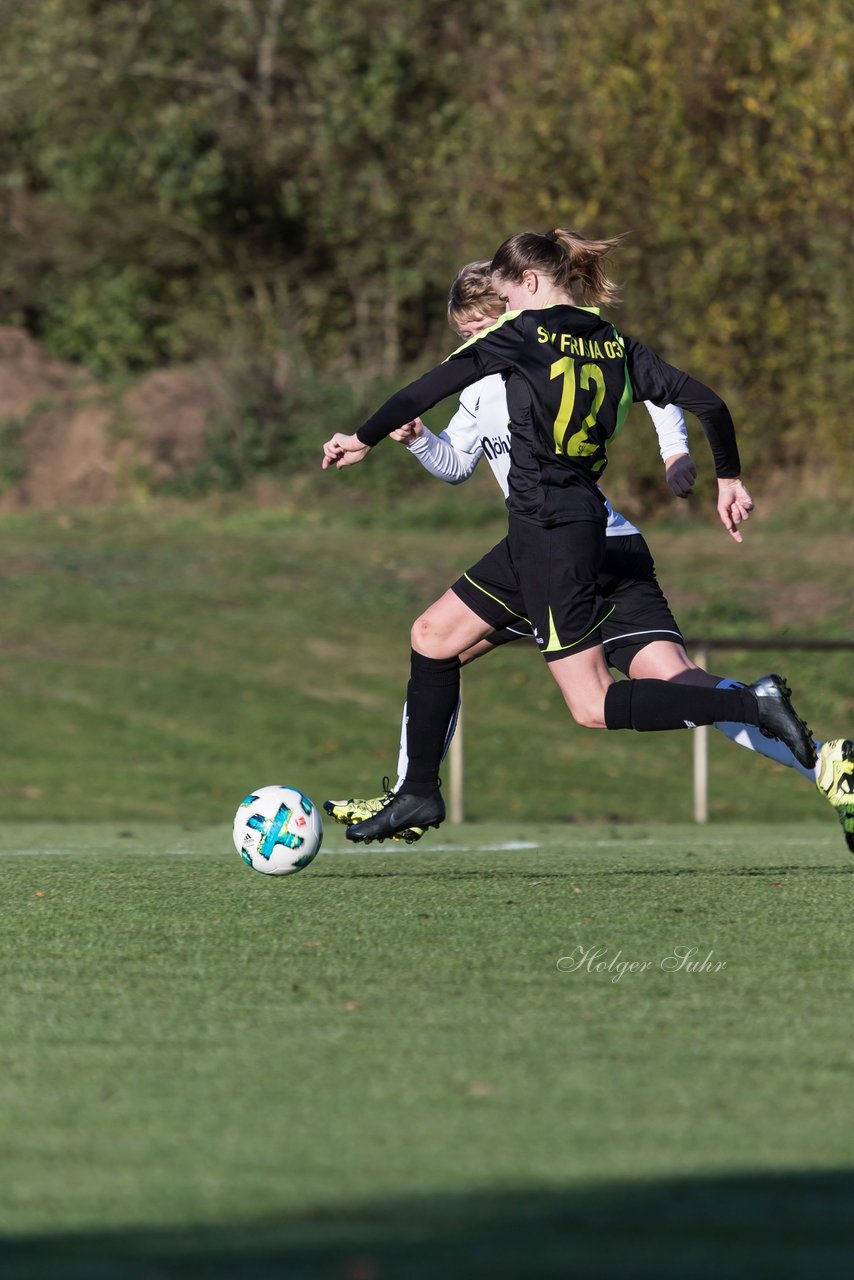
654 379
421 395
716 421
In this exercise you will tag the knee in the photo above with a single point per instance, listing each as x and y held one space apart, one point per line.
429 639
420 633
588 712
590 718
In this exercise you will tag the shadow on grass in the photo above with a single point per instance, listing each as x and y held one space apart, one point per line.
738 1227
572 873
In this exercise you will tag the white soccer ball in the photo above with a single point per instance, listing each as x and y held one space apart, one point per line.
277 830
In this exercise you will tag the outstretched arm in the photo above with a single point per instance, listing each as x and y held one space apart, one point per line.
419 396
343 451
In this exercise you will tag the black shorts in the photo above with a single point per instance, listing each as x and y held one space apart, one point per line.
626 584
548 576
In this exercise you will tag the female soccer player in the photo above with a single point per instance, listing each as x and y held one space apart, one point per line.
570 378
640 637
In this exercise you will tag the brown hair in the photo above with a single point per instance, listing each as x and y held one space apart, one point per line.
568 258
472 295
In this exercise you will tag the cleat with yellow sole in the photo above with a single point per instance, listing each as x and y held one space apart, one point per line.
836 782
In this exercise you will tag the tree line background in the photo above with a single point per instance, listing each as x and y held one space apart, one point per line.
287 188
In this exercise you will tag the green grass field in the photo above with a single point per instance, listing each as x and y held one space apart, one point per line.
171 659
378 1069
405 1063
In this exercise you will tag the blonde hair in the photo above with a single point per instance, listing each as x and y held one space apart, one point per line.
567 257
472 295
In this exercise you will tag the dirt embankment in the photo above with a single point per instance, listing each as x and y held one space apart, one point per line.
66 438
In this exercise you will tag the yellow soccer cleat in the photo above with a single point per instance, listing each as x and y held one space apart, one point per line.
350 812
836 782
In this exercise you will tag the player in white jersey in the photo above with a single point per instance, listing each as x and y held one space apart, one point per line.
641 638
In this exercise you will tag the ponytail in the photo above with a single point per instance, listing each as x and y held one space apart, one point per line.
572 261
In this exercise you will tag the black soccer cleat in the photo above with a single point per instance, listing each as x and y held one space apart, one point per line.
349 812
778 718
403 813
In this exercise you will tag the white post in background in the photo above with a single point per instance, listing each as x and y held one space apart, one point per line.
701 755
455 761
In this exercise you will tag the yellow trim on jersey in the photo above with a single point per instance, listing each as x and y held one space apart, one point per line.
497 600
508 315
511 315
554 645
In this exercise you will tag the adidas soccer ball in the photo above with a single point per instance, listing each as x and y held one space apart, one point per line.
277 830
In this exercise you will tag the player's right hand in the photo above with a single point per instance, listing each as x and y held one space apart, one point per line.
343 451
409 431
734 505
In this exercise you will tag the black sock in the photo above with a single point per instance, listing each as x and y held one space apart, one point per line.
649 705
431 699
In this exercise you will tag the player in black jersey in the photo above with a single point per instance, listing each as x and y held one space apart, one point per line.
570 379
641 638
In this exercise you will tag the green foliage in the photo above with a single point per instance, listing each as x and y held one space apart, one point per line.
105 318
182 178
279 415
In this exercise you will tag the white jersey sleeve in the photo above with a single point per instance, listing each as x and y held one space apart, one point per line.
442 455
453 454
669 422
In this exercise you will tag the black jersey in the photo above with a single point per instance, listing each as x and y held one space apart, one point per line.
571 377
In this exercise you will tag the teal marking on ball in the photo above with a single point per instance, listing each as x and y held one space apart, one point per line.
306 859
272 834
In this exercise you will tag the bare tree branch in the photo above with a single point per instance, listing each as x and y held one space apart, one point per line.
266 63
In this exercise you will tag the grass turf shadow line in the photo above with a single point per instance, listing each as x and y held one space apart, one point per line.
503 873
746 1226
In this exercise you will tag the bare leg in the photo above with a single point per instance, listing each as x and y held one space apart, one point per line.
584 679
665 660
476 651
448 629
688 698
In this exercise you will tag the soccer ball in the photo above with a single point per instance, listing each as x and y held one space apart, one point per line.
277 830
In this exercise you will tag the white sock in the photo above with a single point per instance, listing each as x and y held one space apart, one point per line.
748 735
403 756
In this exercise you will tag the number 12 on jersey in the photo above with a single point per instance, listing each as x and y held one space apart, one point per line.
579 444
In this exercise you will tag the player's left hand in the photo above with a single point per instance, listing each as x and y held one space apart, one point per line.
734 506
409 431
680 472
343 451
